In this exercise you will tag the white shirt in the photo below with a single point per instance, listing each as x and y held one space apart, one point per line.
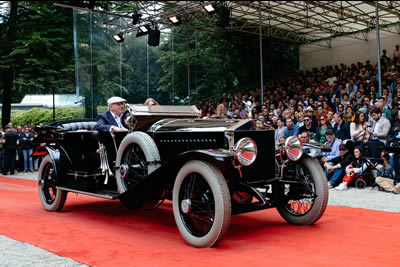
117 119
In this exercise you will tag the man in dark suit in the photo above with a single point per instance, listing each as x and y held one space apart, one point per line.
111 120
10 150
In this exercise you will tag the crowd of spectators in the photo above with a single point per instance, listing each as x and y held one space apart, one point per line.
16 148
332 104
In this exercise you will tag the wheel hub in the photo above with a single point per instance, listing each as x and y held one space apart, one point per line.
186 206
124 170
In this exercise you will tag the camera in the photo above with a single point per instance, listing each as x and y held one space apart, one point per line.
386 156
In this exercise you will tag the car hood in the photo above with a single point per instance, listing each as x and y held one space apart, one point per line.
200 125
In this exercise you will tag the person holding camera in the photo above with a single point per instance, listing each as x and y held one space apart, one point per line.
385 179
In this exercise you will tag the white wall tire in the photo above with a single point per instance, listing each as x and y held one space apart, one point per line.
201 204
147 147
292 211
52 199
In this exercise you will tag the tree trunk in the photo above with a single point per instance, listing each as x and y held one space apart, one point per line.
7 74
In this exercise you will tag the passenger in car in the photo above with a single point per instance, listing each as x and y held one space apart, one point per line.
151 102
111 120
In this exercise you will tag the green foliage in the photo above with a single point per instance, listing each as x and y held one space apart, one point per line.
41 115
42 55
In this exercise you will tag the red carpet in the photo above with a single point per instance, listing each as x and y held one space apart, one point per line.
103 233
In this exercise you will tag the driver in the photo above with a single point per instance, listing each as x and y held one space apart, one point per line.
111 120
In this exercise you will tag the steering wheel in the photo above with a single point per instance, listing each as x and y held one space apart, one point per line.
124 119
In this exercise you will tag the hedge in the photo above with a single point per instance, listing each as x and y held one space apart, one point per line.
41 115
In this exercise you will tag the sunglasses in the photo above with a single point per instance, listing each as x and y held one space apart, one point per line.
322 119
306 119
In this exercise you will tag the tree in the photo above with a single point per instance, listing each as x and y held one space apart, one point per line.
7 71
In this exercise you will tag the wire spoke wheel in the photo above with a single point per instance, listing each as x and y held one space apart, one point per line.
304 203
135 161
199 217
201 204
300 201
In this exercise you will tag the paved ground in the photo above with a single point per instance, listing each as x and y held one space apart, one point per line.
15 253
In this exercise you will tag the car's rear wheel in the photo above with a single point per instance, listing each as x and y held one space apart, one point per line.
201 204
52 199
303 206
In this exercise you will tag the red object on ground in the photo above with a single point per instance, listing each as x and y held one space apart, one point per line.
104 233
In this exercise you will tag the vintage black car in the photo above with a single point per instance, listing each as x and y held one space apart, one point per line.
210 169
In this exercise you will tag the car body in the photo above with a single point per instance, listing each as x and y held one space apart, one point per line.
209 169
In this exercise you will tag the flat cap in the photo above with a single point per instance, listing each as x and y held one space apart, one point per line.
115 99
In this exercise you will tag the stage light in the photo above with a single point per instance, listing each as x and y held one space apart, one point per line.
154 37
176 20
136 17
143 30
209 8
119 38
223 16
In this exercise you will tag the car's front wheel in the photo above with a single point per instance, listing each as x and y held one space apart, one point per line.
52 199
304 204
201 204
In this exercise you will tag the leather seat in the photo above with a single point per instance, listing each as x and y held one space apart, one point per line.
81 125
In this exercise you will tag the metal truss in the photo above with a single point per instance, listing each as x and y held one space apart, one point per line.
302 22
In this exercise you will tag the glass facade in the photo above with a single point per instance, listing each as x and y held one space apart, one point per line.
105 68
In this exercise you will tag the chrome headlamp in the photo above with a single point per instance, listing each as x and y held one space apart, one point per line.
294 148
245 151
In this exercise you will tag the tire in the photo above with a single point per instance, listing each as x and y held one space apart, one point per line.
136 149
299 212
360 184
52 199
201 204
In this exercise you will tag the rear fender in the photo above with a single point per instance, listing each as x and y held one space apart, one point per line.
59 159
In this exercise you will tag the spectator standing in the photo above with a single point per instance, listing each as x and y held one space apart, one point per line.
1 149
19 164
10 141
26 144
396 53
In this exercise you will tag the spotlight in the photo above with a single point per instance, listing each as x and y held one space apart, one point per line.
223 14
119 38
176 20
154 37
143 30
136 17
209 8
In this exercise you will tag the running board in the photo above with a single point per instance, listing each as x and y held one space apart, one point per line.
102 194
